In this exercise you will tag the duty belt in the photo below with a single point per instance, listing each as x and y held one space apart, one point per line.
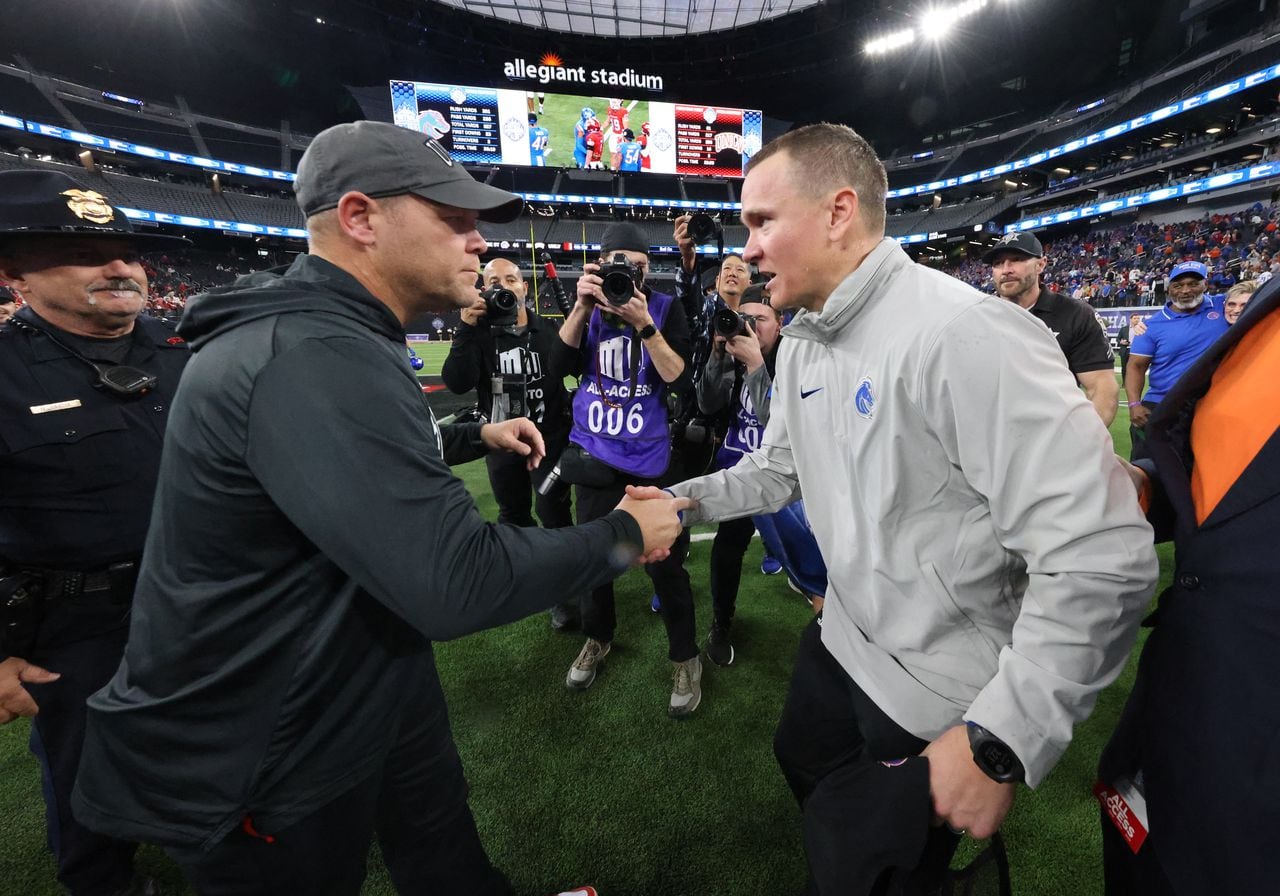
116 581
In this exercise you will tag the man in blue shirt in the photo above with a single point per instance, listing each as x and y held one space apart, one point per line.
630 151
539 142
1175 336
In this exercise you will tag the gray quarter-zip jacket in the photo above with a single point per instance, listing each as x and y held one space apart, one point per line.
986 555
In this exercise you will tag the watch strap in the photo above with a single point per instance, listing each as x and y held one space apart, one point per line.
647 332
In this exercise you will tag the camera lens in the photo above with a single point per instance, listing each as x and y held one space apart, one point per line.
618 287
728 323
703 228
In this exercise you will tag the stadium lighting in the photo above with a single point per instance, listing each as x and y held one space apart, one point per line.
938 21
1213 130
891 41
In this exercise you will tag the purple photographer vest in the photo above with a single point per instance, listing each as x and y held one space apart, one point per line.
744 434
627 432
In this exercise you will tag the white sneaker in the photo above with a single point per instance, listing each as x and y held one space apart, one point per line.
583 671
686 688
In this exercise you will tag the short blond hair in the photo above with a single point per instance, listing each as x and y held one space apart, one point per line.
833 156
1243 288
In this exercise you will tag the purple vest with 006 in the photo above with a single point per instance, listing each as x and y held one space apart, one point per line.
627 432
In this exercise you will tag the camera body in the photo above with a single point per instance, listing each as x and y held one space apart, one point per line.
501 306
703 229
729 323
621 279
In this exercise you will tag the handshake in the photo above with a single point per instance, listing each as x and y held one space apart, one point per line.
658 513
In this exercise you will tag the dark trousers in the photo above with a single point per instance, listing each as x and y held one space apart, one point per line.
417 805
83 640
514 490
1125 873
829 724
733 537
670 580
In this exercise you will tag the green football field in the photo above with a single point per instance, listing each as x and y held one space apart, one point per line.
600 787
562 114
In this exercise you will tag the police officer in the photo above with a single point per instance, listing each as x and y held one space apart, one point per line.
512 349
88 381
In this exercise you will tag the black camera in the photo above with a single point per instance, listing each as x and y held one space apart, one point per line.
500 306
621 279
703 229
729 323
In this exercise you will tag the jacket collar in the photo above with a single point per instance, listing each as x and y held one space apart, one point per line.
867 283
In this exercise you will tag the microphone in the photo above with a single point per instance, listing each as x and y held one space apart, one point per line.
553 283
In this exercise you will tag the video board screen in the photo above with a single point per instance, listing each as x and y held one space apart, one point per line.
518 127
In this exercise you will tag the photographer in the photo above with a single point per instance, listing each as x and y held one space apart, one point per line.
636 348
500 344
739 377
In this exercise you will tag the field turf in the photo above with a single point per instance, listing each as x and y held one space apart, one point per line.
602 788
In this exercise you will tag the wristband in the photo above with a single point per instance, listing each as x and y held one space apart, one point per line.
1134 404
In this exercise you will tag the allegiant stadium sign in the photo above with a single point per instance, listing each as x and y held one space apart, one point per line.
550 69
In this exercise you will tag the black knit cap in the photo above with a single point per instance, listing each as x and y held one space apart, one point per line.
625 237
43 203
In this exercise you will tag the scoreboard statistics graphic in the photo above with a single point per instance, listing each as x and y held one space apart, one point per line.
518 127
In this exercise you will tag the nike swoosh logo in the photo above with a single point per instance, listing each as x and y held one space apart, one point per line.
804 394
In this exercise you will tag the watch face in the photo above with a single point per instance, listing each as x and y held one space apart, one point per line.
996 758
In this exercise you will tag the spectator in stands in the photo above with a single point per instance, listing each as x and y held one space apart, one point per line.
904 399
630 352
78 464
516 354
1175 336
1236 299
8 304
280 703
1207 682
1017 262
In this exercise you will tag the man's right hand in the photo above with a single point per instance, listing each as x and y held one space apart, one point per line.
1139 414
659 519
14 699
475 312
590 293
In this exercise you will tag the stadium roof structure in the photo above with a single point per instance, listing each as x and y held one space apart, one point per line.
634 18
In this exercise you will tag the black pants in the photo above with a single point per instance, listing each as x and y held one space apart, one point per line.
514 490
1125 873
83 640
733 537
670 580
829 724
417 805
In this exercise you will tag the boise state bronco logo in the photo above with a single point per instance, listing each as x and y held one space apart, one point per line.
864 400
89 205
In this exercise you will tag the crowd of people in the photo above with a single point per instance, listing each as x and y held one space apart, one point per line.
1128 266
185 577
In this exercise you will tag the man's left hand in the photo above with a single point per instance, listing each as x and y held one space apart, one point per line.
518 436
963 796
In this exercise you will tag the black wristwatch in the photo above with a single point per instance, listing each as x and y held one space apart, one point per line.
648 332
993 756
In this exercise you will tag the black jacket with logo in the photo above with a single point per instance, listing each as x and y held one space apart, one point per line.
308 544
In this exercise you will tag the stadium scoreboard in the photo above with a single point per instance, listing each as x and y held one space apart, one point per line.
532 128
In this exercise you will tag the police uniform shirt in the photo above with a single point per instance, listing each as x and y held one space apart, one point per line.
78 465
1080 336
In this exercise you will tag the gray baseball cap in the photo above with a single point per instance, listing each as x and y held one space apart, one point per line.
381 159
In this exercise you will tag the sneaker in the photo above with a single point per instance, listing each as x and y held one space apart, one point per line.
655 604
565 617
584 668
686 688
719 647
581 891
770 566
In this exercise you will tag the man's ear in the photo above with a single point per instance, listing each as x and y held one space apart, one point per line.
355 213
845 213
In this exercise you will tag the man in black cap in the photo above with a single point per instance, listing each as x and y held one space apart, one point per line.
88 381
278 702
1017 261
630 344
